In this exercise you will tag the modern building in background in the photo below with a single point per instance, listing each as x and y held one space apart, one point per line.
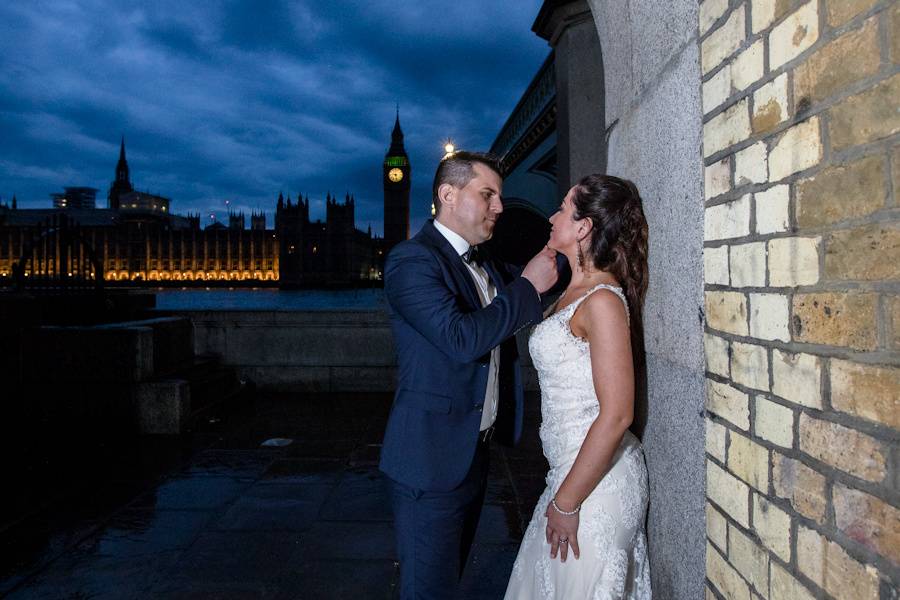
137 239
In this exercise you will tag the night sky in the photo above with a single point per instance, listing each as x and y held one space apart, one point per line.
240 100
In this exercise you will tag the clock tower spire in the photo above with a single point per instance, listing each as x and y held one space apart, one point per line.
396 174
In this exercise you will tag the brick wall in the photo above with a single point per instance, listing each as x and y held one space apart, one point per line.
802 273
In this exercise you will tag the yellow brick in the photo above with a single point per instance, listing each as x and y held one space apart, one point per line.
725 579
750 365
868 520
770 105
783 586
793 261
715 439
841 11
774 422
830 567
728 492
717 178
750 165
841 192
869 253
765 12
749 461
868 116
866 391
727 220
716 354
769 317
727 128
710 11
727 311
895 322
748 265
797 378
799 148
799 484
772 209
773 526
728 403
749 559
834 67
794 35
717 89
722 42
894 28
715 265
747 68
843 448
716 527
836 319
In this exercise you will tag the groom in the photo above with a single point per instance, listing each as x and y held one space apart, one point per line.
453 315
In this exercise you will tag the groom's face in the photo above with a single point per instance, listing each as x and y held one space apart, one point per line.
478 205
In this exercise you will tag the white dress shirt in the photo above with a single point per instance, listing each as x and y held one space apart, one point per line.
486 293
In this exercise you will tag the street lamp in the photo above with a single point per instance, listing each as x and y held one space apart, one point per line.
449 149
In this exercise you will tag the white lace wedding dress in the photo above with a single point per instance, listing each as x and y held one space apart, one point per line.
613 562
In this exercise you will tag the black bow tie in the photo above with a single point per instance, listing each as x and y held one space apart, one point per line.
475 254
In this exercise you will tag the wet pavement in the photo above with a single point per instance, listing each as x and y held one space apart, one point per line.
215 515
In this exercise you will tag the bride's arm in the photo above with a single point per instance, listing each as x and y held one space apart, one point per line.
602 320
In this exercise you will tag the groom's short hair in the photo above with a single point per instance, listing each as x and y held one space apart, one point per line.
457 170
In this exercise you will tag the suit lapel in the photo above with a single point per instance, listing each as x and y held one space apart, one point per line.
438 241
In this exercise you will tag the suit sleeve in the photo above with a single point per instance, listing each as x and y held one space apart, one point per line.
416 290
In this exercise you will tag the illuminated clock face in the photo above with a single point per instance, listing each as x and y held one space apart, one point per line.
395 175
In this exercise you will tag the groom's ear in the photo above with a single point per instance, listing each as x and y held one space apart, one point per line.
447 195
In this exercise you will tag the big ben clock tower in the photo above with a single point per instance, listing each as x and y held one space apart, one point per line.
396 176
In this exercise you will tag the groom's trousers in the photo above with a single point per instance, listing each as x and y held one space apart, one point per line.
435 531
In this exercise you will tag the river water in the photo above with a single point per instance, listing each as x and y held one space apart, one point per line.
268 299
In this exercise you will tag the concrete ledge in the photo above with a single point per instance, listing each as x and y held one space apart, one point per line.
162 407
313 351
83 354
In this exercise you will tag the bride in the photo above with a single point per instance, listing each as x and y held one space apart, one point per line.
586 538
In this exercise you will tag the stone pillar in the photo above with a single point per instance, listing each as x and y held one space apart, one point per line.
580 118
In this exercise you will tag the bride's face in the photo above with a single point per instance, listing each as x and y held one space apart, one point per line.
565 231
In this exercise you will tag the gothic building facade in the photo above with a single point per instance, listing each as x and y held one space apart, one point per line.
137 239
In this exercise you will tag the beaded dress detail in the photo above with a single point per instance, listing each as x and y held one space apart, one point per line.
613 564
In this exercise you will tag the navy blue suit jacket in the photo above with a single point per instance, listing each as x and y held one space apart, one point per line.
443 339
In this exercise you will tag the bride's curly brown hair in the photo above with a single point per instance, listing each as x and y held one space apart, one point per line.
618 241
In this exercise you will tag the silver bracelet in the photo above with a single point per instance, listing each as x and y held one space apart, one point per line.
567 513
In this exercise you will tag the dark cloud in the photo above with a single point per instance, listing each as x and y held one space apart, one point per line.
240 100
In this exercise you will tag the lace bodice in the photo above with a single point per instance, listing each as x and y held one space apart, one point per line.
568 398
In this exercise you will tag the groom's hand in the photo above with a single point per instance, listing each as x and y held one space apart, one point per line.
541 270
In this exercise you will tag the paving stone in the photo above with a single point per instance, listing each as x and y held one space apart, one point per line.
142 532
329 579
361 495
275 507
353 540
303 470
200 492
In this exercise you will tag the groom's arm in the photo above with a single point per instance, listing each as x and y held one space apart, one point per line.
415 288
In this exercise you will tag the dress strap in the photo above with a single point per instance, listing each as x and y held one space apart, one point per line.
600 286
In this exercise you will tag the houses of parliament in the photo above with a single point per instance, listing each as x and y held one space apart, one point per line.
136 239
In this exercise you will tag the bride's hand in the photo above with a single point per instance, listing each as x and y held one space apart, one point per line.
562 527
